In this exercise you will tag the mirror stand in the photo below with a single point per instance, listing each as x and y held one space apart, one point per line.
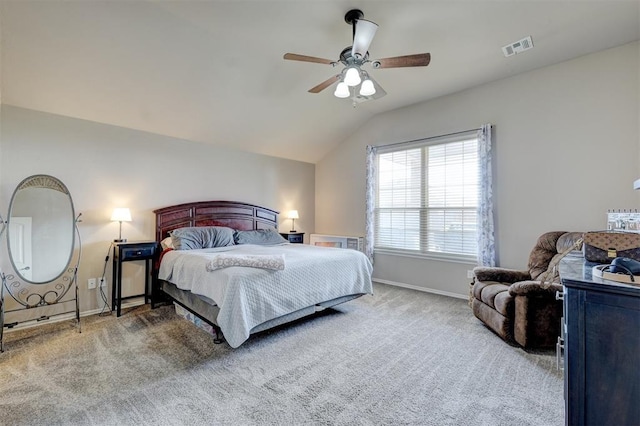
36 283
29 296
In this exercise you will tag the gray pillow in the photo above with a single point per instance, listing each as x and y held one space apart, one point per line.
264 237
199 237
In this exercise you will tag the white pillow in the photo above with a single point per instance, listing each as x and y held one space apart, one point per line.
166 243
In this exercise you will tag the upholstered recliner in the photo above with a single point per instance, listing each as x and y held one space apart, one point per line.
513 303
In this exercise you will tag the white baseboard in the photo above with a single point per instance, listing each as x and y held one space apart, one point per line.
71 315
425 289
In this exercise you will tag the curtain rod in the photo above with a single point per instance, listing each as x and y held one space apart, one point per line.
429 138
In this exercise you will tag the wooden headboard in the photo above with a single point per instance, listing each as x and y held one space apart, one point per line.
241 216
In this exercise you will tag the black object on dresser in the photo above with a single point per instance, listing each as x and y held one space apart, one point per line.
602 350
125 252
293 237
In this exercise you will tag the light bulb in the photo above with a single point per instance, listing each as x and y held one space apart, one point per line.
367 88
342 90
352 77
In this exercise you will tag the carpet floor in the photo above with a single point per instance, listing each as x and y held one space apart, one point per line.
398 357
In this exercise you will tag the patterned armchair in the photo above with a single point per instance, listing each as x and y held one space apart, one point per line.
514 305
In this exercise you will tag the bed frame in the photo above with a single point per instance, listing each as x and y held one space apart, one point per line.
241 216
236 215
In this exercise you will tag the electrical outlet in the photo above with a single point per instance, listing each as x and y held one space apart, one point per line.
470 274
102 282
91 283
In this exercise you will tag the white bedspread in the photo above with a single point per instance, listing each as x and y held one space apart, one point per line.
247 297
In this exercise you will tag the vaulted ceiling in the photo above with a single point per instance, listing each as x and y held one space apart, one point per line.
212 71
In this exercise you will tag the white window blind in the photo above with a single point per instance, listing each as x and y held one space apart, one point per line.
427 196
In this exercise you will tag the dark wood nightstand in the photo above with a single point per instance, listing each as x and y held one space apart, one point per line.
129 251
293 237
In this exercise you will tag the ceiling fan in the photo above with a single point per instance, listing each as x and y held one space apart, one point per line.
354 82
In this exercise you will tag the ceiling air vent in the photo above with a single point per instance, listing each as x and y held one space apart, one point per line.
518 47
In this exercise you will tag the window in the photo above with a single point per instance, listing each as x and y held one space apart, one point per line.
426 197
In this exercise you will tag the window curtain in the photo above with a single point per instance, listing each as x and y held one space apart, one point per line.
486 240
370 199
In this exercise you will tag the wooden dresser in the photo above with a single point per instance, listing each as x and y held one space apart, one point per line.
602 349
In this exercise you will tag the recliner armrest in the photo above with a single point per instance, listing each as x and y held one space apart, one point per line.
533 288
502 275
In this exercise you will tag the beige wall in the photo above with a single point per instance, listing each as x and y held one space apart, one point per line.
106 167
566 145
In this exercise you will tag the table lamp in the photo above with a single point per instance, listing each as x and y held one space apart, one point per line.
121 214
293 215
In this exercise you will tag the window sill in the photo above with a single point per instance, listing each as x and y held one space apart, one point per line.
470 260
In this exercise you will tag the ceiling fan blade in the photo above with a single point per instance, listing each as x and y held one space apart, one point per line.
328 82
303 58
363 36
418 60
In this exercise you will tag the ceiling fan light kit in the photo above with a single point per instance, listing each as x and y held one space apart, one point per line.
342 90
367 88
354 57
352 76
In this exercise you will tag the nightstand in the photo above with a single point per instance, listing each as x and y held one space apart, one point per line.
293 237
126 252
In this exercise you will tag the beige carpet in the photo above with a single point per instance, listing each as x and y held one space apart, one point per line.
398 357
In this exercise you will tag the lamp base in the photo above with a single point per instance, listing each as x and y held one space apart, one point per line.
120 240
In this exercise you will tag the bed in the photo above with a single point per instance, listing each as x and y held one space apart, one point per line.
289 282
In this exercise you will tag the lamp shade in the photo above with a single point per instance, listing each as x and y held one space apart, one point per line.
293 214
367 89
352 76
342 90
365 30
121 214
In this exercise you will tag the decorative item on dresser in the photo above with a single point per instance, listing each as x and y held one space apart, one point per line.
604 246
219 251
601 334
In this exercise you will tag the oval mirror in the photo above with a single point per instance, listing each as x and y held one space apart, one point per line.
41 226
